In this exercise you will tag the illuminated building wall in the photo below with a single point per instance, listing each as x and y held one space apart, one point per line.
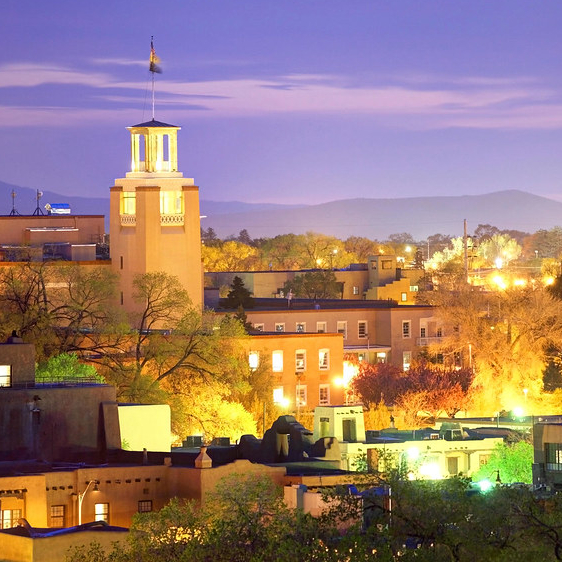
154 215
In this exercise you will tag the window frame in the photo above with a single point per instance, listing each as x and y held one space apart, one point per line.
324 401
341 328
57 519
277 367
324 359
406 329
102 510
144 503
300 362
5 376
365 325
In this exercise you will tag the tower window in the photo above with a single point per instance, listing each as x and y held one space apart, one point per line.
128 203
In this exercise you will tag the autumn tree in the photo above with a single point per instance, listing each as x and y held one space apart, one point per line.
427 389
231 255
506 335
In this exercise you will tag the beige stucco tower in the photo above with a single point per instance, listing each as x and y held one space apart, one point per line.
154 215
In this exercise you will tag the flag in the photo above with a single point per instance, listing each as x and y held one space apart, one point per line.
154 60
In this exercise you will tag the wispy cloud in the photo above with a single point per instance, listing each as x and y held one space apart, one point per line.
419 102
120 62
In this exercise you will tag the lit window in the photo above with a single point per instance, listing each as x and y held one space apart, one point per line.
406 328
278 395
300 360
362 329
10 517
145 506
277 361
57 515
101 511
324 395
128 203
5 375
406 360
301 395
321 327
355 290
280 327
171 202
324 359
342 328
404 297
258 327
301 327
254 359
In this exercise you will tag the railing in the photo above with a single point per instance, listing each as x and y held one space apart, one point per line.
429 341
128 220
171 220
165 220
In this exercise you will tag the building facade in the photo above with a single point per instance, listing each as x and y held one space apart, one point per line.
154 215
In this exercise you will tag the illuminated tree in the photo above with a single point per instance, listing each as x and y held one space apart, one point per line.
499 250
231 255
506 335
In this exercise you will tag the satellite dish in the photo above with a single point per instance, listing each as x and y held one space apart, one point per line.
48 206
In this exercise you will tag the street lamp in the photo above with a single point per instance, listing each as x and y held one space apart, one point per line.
81 496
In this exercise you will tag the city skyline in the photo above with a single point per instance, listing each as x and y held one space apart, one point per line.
288 102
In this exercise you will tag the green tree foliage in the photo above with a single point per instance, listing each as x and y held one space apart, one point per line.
66 367
544 244
239 295
512 460
437 521
320 284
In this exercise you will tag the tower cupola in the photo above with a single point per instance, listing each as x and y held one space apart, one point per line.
154 149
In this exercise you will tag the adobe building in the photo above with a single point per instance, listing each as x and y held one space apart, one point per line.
307 369
154 215
382 278
373 331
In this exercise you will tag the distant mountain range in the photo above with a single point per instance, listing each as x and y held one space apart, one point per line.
372 218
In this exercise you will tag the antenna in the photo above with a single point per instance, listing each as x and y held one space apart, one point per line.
14 212
38 210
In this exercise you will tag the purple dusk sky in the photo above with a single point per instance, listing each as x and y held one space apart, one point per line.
288 101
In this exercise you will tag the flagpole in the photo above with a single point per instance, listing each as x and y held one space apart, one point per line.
152 95
152 70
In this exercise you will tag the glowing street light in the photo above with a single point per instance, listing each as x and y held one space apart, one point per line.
81 496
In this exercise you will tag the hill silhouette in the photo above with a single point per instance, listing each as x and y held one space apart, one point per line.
372 218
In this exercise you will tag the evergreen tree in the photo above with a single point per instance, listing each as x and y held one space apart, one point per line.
239 296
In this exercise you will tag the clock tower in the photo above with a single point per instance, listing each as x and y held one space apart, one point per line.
154 215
